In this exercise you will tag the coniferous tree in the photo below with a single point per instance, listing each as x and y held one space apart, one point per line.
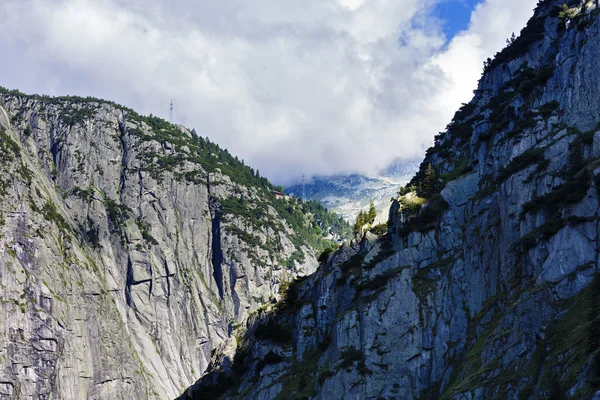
431 183
360 221
372 213
404 190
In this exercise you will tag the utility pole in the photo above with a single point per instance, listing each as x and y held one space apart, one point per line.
303 187
171 113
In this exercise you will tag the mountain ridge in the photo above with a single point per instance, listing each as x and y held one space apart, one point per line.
486 283
130 248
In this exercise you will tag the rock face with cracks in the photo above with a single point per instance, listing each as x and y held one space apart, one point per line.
129 249
486 284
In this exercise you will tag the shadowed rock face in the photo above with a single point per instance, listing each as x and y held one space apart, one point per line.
123 263
217 253
490 288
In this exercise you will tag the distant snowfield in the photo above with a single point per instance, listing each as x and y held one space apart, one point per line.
347 195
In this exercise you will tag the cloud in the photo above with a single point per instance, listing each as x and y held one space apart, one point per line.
492 22
314 86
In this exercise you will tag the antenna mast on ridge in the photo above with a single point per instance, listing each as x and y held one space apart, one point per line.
171 113
303 187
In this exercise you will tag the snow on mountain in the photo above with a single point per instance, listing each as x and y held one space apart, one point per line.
347 195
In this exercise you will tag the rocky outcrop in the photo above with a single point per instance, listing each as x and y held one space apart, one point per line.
486 285
129 249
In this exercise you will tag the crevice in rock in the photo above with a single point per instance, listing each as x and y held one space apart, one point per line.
135 283
55 148
216 251
234 296
129 282
151 281
124 157
168 276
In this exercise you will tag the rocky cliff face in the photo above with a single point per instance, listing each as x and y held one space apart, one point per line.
486 285
129 250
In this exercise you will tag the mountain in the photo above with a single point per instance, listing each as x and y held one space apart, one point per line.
347 195
486 285
130 249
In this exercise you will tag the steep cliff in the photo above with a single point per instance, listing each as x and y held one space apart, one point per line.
129 249
486 285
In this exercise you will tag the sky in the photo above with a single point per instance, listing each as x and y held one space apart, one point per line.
454 15
315 87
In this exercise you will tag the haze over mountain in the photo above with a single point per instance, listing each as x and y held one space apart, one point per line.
346 195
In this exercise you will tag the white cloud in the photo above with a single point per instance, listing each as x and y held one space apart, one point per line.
352 4
315 86
492 22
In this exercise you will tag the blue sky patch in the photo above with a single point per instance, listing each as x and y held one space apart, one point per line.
455 15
